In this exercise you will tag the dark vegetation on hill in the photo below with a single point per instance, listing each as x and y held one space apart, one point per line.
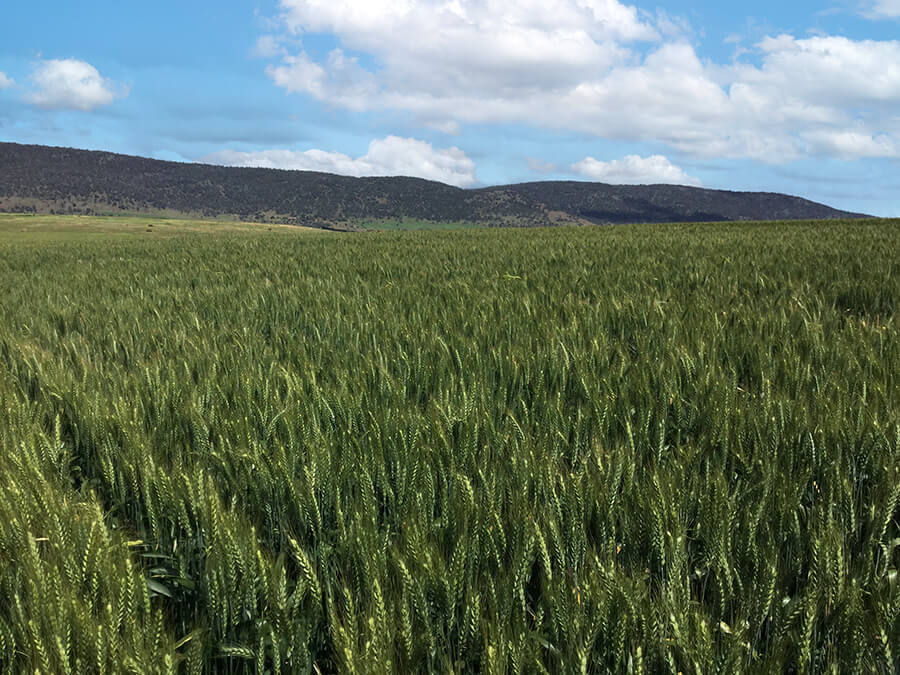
42 179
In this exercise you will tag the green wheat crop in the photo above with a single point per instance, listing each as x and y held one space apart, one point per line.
605 450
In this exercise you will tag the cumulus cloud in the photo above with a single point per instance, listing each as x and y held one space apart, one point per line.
430 51
5 81
71 84
882 9
523 31
391 156
634 170
827 72
339 81
575 65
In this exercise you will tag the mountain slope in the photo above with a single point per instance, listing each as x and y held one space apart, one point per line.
61 180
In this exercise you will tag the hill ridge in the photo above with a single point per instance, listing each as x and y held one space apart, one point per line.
45 179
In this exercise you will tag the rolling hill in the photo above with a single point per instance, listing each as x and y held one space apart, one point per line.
41 179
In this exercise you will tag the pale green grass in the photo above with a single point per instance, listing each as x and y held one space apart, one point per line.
14 225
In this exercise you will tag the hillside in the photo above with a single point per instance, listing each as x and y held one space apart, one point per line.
40 179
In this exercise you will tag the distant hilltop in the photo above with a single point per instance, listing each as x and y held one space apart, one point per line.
41 179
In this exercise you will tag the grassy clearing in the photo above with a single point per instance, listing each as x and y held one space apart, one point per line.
632 449
30 226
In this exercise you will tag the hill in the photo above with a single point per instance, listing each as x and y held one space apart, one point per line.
40 179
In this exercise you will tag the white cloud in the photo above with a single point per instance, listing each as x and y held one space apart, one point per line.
340 81
492 47
541 166
573 65
5 81
391 156
71 84
507 28
449 127
634 170
851 144
828 71
882 9
268 46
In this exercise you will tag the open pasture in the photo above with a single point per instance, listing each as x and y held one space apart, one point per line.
32 227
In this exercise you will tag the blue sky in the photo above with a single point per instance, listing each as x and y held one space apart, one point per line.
795 97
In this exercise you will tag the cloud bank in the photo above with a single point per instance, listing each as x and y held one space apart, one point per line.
5 81
598 67
391 156
70 84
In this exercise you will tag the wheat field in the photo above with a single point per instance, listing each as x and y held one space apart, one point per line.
648 449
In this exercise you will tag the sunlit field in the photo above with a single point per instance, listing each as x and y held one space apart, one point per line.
244 448
41 227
